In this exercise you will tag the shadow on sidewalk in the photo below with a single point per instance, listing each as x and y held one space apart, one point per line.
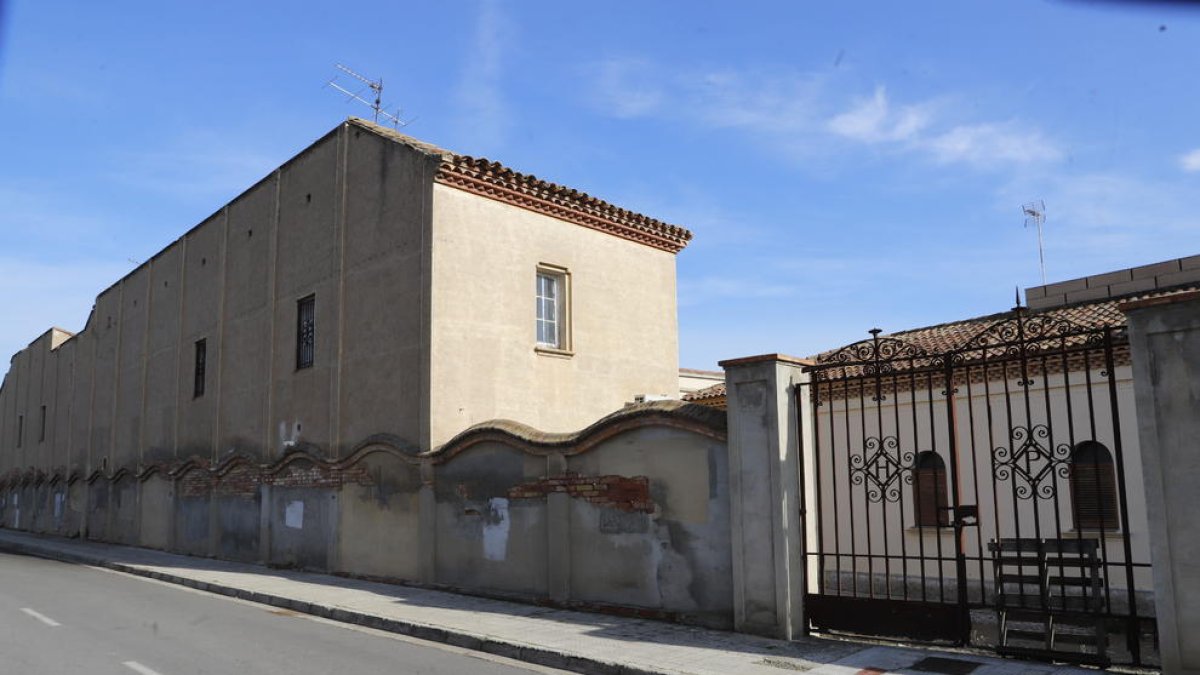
463 606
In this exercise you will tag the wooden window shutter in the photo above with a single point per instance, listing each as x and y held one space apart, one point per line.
931 503
1093 488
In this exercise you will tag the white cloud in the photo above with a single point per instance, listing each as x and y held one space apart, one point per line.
484 113
769 104
197 165
624 91
760 103
872 120
990 144
1103 221
41 295
710 288
1190 162
790 112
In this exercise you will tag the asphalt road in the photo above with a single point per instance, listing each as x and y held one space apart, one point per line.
62 619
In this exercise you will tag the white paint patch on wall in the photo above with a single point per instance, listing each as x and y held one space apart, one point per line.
289 435
293 515
59 499
495 530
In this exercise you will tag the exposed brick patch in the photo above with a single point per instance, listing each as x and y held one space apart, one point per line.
618 492
195 483
240 481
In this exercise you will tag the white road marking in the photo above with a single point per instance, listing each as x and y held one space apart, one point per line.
40 617
139 668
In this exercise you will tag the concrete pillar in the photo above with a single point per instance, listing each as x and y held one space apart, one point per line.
764 486
1164 336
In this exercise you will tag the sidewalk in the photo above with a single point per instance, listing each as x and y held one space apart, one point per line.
577 641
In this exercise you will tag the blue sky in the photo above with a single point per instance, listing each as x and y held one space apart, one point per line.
843 165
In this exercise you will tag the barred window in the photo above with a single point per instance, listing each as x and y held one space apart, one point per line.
306 331
1093 488
930 500
201 357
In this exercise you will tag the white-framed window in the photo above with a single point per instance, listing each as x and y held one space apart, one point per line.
550 294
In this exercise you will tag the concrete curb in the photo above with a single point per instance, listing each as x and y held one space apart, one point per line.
519 652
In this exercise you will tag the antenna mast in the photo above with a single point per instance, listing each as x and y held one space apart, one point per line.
1035 212
376 87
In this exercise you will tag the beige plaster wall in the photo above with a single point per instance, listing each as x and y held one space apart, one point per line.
384 341
483 362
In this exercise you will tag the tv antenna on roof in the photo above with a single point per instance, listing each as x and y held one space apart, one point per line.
376 88
1035 212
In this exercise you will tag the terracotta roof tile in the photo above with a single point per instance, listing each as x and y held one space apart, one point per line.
496 181
956 334
713 396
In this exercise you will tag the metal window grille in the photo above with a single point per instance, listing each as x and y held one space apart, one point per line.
201 358
306 331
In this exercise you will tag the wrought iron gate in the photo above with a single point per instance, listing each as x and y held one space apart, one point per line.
976 493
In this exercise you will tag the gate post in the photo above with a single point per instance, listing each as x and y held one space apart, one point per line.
1164 337
764 491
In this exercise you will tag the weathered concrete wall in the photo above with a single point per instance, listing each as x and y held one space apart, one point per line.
192 532
660 540
382 385
1164 335
485 539
156 501
302 519
379 526
124 510
237 499
240 365
98 516
631 513
346 219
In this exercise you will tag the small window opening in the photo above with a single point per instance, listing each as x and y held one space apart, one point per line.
551 322
201 366
306 329
929 499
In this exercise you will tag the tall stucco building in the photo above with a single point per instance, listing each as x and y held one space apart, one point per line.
373 285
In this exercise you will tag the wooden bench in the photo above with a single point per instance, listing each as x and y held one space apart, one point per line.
1049 596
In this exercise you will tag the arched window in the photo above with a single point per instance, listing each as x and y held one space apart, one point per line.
929 499
1093 487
